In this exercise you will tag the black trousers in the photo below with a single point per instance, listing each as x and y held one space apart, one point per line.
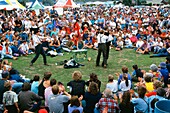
101 49
39 50
107 49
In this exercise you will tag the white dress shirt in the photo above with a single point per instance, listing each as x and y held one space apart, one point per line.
36 40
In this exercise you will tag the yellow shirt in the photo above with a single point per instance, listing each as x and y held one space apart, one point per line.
149 86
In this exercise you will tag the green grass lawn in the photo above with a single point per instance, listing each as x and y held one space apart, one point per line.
117 59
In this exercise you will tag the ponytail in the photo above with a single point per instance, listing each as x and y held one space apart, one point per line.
127 82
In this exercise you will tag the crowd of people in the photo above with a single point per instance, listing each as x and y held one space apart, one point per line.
145 29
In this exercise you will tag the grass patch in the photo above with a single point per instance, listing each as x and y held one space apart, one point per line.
117 59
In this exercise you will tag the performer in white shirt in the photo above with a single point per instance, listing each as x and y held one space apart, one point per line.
38 48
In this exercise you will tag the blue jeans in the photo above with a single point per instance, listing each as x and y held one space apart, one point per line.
6 56
17 86
58 49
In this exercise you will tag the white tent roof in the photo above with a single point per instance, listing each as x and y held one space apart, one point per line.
60 3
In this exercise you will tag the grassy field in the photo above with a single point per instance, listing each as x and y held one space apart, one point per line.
117 59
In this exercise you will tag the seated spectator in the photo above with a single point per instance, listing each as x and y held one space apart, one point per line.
10 99
69 46
119 44
139 43
16 50
133 39
160 96
164 72
144 49
55 45
126 106
55 101
48 90
7 52
162 53
44 83
35 84
112 84
75 103
77 85
148 83
94 78
5 76
27 99
128 43
92 96
155 73
88 43
141 102
31 46
137 74
124 70
158 45
125 84
168 90
156 85
108 101
24 48
80 44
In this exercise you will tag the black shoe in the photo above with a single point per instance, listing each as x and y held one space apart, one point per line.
31 64
46 65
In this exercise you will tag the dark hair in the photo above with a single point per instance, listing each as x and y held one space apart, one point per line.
135 67
47 75
126 79
126 98
141 91
148 78
76 111
55 89
26 86
93 77
93 88
153 103
53 82
74 101
124 69
161 91
36 78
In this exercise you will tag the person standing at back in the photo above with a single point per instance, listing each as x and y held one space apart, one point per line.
101 39
38 48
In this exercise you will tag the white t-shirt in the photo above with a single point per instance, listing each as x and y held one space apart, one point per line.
113 86
139 43
123 86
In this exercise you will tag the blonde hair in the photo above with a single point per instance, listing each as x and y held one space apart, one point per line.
77 75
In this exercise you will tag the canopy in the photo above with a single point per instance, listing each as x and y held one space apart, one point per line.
70 3
15 4
36 5
5 5
65 4
60 4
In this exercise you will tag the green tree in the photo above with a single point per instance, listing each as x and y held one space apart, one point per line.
23 2
48 2
127 2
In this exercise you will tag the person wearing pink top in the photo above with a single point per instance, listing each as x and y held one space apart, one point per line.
48 90
133 39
